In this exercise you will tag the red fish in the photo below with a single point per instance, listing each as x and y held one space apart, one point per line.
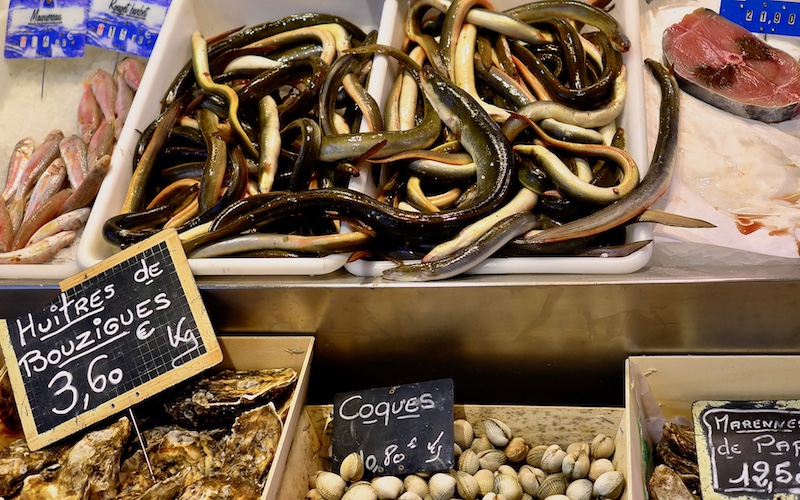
726 66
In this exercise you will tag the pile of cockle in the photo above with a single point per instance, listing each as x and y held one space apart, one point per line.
216 438
50 186
249 161
494 465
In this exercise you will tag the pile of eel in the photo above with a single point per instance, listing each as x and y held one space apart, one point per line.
498 138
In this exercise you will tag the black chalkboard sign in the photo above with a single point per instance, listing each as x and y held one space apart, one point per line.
123 330
748 449
398 430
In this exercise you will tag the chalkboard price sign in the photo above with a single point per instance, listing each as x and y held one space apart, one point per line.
397 430
125 329
748 449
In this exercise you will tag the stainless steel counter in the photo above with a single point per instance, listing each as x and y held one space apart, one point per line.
521 339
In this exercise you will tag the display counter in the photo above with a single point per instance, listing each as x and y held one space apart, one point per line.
516 339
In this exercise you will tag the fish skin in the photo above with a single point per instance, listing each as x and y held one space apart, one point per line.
16 209
6 229
48 184
85 194
45 213
89 114
70 221
102 143
74 152
16 164
122 104
41 158
40 252
105 92
131 70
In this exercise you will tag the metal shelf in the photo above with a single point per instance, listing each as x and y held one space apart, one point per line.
512 339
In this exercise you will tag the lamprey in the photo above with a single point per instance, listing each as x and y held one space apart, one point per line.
653 185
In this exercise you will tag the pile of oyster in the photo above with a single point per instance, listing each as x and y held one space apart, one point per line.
494 466
214 437
676 475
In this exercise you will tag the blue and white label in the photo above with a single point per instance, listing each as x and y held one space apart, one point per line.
46 29
126 26
771 17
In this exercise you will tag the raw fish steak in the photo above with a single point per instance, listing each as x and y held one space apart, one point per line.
723 64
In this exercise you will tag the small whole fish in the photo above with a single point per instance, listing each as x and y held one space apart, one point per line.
105 92
89 114
16 164
131 70
74 153
122 104
40 252
84 194
41 158
48 184
102 143
70 221
6 229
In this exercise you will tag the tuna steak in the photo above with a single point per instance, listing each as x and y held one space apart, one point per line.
723 64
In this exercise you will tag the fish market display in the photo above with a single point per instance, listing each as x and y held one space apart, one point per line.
499 138
726 66
492 461
225 454
51 185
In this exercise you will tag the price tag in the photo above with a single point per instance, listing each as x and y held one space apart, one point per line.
769 17
398 430
126 328
748 449
126 26
45 29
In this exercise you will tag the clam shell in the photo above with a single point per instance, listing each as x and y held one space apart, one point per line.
481 443
530 478
491 459
467 486
534 456
552 458
442 486
580 489
553 484
609 485
557 497
497 432
516 450
599 467
602 446
331 486
314 494
463 433
468 462
508 487
576 465
360 491
409 495
578 446
388 487
416 484
352 467
485 479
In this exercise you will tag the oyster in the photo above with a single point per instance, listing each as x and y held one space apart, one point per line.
221 487
18 461
216 400
249 449
89 470
10 425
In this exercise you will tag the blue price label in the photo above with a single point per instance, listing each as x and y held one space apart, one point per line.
763 16
45 29
126 26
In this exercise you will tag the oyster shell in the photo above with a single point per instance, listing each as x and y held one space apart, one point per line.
90 469
221 487
18 461
250 448
666 484
216 400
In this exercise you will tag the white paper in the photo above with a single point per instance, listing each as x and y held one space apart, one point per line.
728 168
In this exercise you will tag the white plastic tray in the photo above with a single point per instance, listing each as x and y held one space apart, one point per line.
631 119
37 96
170 53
